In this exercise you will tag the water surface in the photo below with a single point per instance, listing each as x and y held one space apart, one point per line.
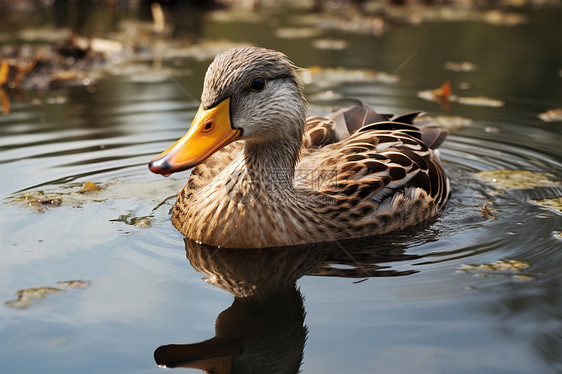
395 304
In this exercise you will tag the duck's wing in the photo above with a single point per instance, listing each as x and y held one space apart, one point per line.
380 159
341 123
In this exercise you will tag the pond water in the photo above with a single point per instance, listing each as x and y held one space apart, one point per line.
403 303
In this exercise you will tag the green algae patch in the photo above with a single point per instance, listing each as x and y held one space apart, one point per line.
129 219
26 297
501 268
554 204
78 194
518 179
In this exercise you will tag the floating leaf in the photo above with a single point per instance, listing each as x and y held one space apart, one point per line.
4 70
75 283
486 212
431 13
461 66
128 219
442 95
5 100
26 296
452 123
552 115
502 268
554 205
480 101
523 277
89 186
518 179
492 129
297 32
498 266
335 44
69 195
331 76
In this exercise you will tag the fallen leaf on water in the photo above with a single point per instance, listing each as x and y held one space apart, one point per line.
234 15
26 296
331 76
523 277
359 24
451 13
461 66
5 100
334 44
4 70
492 129
444 90
501 18
449 123
297 32
89 186
480 101
69 195
498 266
128 219
502 268
437 93
518 179
486 212
554 205
205 50
75 283
442 95
552 115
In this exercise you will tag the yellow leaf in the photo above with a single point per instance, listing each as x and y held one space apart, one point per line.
4 70
89 186
5 100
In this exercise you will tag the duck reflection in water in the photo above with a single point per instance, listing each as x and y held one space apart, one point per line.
263 331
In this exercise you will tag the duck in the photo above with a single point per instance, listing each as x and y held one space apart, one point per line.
265 174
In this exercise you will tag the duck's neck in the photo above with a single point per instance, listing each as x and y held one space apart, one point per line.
271 163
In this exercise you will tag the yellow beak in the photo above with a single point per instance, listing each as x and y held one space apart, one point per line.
210 131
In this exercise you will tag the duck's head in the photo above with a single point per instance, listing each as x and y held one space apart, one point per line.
250 94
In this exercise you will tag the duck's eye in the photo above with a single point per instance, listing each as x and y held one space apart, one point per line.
257 84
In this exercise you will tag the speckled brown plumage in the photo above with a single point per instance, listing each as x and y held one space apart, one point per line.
351 173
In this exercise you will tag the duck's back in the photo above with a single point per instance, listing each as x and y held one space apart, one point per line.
382 172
